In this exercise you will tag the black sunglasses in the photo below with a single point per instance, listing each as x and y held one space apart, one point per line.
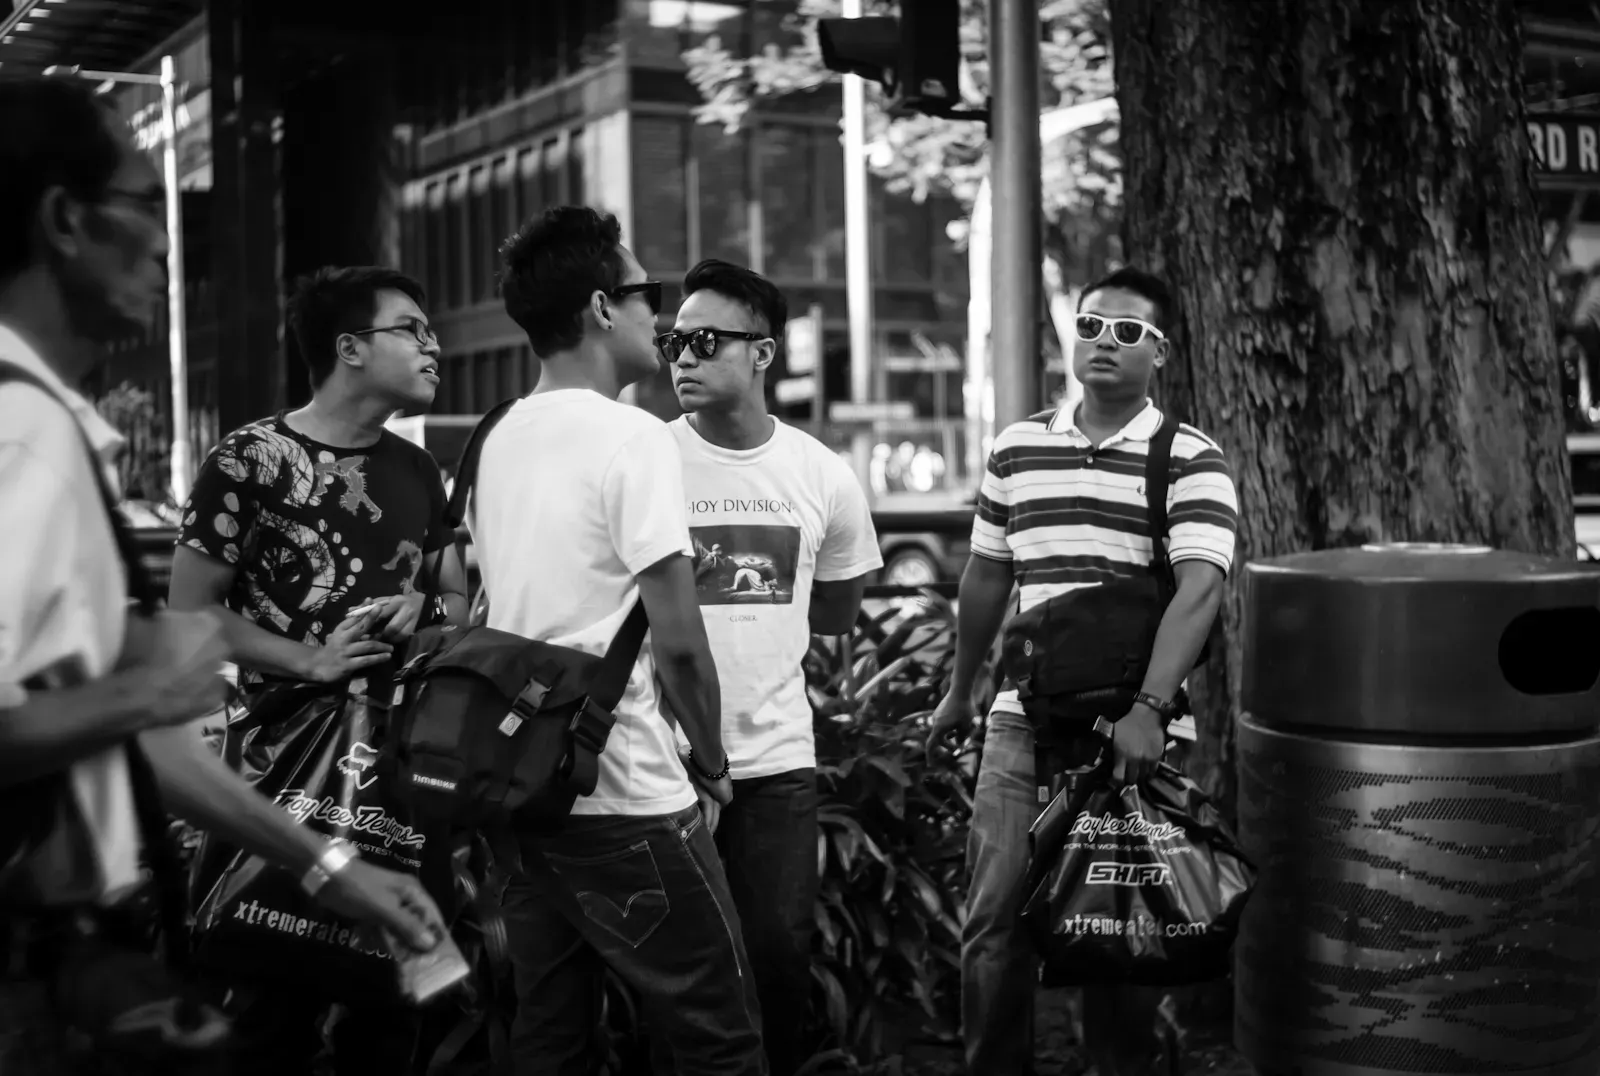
703 342
650 289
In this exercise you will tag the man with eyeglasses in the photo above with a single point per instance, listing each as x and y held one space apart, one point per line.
578 515
789 545
318 536
1062 506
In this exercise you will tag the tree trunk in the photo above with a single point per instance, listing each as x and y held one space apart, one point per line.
1340 192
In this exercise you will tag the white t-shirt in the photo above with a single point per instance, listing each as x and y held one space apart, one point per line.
766 522
63 591
577 495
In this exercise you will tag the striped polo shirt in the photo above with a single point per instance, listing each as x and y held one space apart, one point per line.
1067 514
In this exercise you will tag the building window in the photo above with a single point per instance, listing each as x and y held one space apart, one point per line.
455 258
503 219
902 238
577 186
722 169
433 242
786 193
659 31
555 163
530 185
830 233
660 193
479 237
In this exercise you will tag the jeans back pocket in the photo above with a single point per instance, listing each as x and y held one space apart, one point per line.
620 892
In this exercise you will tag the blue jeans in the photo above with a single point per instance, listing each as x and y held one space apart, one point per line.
768 841
647 897
998 968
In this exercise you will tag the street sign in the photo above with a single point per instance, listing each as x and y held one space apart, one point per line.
874 411
802 340
1566 146
791 390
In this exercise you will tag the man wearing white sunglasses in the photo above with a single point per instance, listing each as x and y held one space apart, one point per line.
1062 507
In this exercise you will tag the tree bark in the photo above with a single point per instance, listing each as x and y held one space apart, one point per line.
1341 193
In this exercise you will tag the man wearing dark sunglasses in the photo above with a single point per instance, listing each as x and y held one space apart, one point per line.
786 544
1062 507
319 537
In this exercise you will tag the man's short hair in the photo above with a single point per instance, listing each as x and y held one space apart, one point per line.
337 300
1141 283
54 132
552 265
749 289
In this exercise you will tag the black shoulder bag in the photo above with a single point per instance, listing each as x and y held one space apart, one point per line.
488 729
1084 654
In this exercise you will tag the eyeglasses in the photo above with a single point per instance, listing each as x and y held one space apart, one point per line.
650 289
150 203
703 342
1128 332
415 326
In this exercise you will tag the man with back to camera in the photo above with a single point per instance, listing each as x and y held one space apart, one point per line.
579 513
296 523
83 244
790 519
1062 506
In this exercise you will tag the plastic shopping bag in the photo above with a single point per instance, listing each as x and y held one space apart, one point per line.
316 756
1139 885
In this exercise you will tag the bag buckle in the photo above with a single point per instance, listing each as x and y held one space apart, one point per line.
1025 687
591 725
525 705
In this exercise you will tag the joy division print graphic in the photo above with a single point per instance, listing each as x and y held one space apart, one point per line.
743 564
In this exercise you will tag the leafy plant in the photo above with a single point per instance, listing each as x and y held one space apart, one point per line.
891 839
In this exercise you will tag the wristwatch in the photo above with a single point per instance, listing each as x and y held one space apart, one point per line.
334 858
1169 711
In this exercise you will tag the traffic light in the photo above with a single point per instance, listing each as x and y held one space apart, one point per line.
917 56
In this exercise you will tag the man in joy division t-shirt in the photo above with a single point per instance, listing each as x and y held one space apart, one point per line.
784 543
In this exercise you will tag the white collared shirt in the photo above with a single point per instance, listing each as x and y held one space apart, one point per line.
63 590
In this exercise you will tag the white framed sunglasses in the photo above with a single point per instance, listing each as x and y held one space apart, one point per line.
1128 332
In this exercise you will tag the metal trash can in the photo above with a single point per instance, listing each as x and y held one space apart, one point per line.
1419 785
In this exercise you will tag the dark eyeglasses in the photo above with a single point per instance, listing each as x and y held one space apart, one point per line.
1128 332
650 289
703 342
415 326
151 203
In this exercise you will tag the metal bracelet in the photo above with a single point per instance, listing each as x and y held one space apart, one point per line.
334 858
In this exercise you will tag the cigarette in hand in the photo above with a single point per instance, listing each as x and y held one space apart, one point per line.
363 610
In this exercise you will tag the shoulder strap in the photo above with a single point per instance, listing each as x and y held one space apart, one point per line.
610 679
611 676
467 465
1157 471
147 805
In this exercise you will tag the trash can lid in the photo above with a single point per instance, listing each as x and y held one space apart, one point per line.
1425 562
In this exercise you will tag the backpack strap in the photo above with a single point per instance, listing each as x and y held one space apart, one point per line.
151 813
1157 476
467 465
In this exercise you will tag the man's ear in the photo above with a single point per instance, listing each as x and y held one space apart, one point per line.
600 310
1163 349
766 353
60 221
347 351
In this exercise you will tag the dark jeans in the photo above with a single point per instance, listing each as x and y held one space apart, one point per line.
647 897
278 1032
768 841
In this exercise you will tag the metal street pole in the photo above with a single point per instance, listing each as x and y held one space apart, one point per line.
1017 250
177 344
858 254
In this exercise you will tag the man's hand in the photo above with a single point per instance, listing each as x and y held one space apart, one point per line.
350 649
953 712
397 618
1137 743
712 795
174 661
387 900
